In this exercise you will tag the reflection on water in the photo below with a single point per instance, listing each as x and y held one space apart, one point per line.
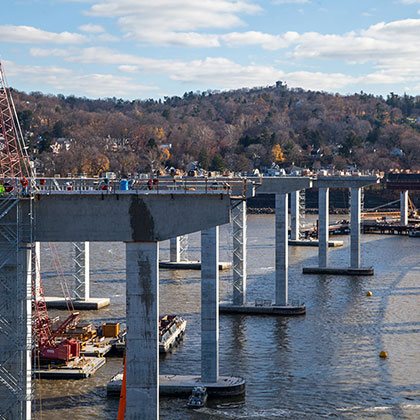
323 364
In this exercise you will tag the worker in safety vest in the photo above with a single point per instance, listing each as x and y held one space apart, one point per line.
25 184
2 189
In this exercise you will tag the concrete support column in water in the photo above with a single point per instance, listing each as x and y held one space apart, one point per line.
355 208
404 208
175 249
282 249
323 226
239 252
142 313
294 215
210 305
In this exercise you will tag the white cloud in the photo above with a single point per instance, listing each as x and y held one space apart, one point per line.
379 42
31 35
290 1
42 52
219 72
92 29
69 81
410 1
267 41
174 22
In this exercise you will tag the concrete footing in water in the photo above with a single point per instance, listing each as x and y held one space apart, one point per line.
182 385
348 271
309 242
269 309
190 265
87 305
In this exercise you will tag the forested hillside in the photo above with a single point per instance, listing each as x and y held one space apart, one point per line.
237 130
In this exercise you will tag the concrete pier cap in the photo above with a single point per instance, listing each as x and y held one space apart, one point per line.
281 184
96 217
351 181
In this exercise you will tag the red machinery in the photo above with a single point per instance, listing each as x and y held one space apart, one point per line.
49 345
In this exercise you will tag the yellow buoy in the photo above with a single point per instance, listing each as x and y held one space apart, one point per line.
383 354
368 293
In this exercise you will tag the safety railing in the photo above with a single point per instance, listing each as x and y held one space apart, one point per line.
236 188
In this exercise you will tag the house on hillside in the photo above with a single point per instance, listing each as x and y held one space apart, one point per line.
60 145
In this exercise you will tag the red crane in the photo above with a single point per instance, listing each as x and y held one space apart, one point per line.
15 175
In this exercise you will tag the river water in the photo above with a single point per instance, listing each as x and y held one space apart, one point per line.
321 365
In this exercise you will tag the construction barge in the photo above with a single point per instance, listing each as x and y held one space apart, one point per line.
171 332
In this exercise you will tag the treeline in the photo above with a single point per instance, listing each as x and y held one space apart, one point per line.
237 130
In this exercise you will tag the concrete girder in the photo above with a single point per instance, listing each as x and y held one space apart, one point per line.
358 181
281 184
96 217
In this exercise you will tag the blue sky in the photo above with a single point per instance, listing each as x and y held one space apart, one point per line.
155 48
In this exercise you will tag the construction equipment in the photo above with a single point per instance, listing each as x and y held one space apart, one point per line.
16 217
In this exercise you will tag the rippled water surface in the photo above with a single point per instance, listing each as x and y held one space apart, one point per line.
321 365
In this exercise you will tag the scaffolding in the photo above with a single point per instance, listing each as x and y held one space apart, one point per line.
81 271
183 248
302 212
239 251
16 218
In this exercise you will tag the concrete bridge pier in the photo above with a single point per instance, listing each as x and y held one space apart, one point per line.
404 207
355 183
175 249
323 226
142 314
178 260
210 305
281 187
282 253
355 225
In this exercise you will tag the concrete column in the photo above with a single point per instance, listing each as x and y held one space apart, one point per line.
404 208
294 215
210 305
355 208
282 249
239 252
323 226
142 314
175 249
81 261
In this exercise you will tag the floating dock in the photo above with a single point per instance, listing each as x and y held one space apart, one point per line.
190 265
362 271
182 385
80 368
314 242
267 308
87 305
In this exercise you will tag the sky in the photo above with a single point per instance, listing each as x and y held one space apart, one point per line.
140 49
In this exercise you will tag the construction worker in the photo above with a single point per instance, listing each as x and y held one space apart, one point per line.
25 184
2 189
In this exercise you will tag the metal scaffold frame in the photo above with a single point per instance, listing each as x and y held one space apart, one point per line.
16 268
183 248
239 252
81 271
302 212
16 343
